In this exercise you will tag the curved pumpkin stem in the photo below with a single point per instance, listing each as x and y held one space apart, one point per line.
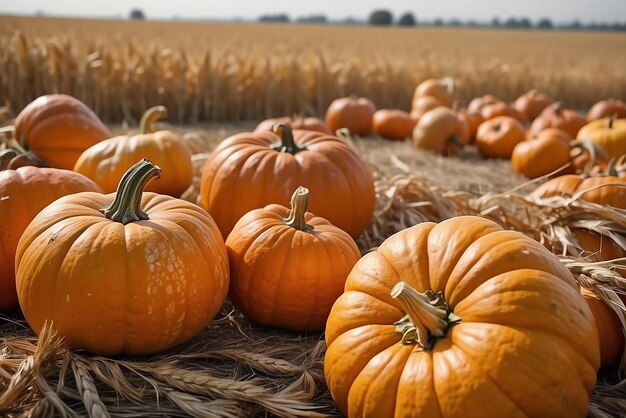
428 316
611 120
150 116
592 149
299 206
14 158
287 142
126 206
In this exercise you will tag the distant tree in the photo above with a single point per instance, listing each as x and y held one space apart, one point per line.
380 18
511 22
315 19
438 21
275 18
407 19
524 23
137 14
495 22
454 22
545 23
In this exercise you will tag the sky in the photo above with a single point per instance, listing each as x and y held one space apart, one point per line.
479 10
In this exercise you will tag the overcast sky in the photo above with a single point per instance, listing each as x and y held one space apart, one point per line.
481 10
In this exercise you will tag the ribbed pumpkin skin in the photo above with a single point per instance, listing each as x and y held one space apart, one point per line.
58 128
284 277
526 345
245 173
23 194
610 331
113 289
571 184
107 161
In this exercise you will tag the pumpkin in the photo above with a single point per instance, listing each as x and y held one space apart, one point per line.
542 154
610 330
123 273
442 131
441 89
473 121
461 319
501 109
296 122
532 103
393 124
477 104
106 162
608 133
353 113
24 192
423 104
607 108
57 128
251 170
288 266
555 116
497 137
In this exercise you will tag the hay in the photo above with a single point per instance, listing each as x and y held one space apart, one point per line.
234 368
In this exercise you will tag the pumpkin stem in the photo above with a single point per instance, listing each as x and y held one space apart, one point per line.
299 206
452 143
428 316
150 116
611 120
13 158
611 170
126 206
595 152
448 82
287 143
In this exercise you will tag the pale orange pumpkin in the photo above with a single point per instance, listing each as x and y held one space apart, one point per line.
442 89
288 266
608 133
124 273
441 130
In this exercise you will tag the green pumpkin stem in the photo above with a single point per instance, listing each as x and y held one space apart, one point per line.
126 206
299 206
287 142
428 316
150 116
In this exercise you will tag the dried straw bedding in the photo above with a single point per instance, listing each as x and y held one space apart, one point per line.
234 368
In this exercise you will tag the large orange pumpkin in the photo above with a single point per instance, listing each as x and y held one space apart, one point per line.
23 194
555 116
106 162
251 170
497 137
125 272
57 128
608 133
288 266
441 130
353 113
461 319
542 154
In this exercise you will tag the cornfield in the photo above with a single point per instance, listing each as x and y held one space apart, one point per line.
234 71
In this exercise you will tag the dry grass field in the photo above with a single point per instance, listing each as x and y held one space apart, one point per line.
236 71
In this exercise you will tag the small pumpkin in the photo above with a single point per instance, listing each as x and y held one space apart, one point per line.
353 113
124 273
393 124
608 133
441 317
542 154
254 169
288 266
423 104
296 122
442 89
555 116
477 104
532 103
57 128
24 192
442 131
501 109
106 162
473 121
497 137
607 108
610 330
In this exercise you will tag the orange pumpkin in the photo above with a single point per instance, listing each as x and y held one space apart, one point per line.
24 192
473 121
501 109
610 330
607 108
57 128
440 318
106 162
442 131
497 137
296 122
609 134
441 89
542 154
353 113
251 170
277 253
477 104
532 103
555 116
124 272
393 124
423 104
